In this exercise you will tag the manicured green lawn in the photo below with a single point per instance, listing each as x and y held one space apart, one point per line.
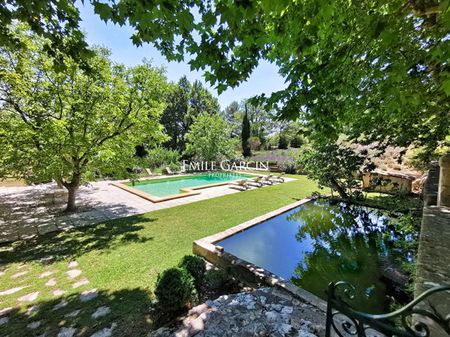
122 258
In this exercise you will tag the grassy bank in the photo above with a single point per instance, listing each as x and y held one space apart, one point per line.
121 259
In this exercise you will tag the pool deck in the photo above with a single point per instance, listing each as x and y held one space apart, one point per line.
184 192
28 211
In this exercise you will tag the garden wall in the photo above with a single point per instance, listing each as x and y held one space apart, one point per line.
433 262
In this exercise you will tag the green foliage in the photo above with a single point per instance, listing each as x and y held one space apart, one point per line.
245 135
185 101
376 71
233 116
407 227
221 280
160 157
283 142
71 126
196 266
334 166
262 121
289 166
174 291
208 139
255 143
421 157
273 141
56 21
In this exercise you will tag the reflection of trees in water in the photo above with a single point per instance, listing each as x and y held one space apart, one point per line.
348 244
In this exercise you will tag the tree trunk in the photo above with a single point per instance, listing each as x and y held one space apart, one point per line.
72 188
71 205
335 185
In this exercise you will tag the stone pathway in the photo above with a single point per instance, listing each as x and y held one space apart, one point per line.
32 324
36 210
263 312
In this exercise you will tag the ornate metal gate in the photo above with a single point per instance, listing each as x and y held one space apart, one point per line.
413 320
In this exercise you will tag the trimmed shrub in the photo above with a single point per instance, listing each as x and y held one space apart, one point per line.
297 141
283 142
255 143
160 156
175 290
195 266
288 166
221 280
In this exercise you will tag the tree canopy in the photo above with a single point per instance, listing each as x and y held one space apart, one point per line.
185 101
245 135
208 139
69 125
55 20
377 71
374 70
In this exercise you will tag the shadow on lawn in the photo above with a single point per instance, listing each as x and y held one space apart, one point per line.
76 242
128 315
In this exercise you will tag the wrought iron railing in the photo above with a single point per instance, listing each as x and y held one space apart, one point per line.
413 320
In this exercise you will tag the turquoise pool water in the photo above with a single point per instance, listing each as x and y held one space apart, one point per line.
319 242
170 186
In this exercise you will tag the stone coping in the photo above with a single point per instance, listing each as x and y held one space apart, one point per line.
207 248
394 174
185 192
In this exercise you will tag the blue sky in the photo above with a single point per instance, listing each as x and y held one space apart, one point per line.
265 78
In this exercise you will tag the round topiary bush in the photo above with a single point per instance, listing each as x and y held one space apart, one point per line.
175 290
195 266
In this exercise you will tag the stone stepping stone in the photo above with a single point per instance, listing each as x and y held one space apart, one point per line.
58 292
2 273
66 332
12 290
73 264
46 274
47 259
34 325
106 332
73 273
5 311
32 310
60 305
88 295
4 320
100 312
51 282
29 297
73 313
80 283
19 274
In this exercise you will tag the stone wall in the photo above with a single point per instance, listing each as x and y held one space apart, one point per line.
433 262
388 182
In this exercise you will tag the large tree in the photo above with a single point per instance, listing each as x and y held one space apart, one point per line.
70 125
55 20
208 139
262 121
185 101
374 70
245 135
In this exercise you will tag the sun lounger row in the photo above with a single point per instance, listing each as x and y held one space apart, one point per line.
260 181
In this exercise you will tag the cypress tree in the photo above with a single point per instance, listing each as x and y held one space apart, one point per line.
246 151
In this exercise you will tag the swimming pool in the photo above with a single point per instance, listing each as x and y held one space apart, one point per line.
169 186
157 190
318 242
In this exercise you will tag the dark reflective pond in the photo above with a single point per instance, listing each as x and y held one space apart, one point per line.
317 243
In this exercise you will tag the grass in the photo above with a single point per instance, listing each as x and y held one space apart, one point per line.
122 259
397 203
